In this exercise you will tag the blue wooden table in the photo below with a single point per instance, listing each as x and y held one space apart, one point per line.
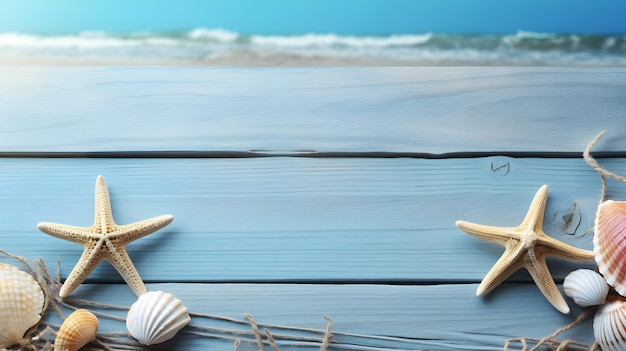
308 192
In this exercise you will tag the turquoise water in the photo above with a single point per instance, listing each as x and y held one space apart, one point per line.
343 17
414 31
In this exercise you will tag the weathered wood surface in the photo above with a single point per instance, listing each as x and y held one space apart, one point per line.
426 109
369 242
365 317
300 219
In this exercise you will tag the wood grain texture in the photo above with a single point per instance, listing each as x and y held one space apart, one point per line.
293 219
419 109
369 242
365 317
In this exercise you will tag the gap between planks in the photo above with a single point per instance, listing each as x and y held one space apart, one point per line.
303 153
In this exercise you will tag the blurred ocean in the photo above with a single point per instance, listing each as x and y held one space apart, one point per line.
207 46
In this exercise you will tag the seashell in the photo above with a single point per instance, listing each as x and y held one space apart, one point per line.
586 287
155 317
21 304
608 326
76 331
609 243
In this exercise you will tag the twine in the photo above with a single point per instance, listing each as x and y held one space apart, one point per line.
551 342
327 335
41 336
601 171
270 339
255 329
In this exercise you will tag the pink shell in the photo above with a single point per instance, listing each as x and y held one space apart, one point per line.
609 243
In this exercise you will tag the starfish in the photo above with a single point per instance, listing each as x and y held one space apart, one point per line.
104 240
527 246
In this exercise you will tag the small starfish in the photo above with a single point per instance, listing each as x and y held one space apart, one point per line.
104 240
527 246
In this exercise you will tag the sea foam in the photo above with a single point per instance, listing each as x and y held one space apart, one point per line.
432 48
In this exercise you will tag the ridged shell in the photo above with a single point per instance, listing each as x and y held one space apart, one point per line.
609 243
608 326
21 304
586 287
78 329
155 317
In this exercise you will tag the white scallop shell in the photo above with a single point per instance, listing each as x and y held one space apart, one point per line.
78 329
21 304
608 326
586 287
155 317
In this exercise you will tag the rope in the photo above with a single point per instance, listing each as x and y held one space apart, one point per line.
551 342
255 329
601 171
327 335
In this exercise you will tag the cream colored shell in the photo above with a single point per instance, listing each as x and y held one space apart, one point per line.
21 304
76 331
586 287
155 317
608 326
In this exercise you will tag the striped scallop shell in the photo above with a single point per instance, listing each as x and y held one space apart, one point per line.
609 243
76 331
586 287
608 326
21 304
155 317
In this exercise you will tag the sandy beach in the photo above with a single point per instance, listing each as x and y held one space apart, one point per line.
240 58
250 58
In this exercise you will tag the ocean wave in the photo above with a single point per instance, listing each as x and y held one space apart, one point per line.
221 35
333 40
520 48
82 40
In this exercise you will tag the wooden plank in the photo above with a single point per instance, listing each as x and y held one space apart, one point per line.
365 317
294 219
417 109
370 242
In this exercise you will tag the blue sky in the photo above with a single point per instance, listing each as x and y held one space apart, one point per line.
321 16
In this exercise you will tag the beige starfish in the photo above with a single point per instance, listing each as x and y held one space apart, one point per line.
527 246
104 240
